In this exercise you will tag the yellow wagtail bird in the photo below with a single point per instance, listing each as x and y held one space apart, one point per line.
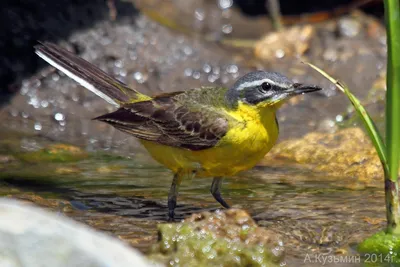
203 132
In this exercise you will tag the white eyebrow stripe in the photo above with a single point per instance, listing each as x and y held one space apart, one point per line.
77 79
259 82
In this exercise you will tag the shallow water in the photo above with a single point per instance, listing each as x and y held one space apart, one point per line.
127 197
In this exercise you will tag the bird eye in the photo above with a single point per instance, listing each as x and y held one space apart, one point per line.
266 86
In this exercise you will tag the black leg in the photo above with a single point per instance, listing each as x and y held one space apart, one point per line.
173 194
215 191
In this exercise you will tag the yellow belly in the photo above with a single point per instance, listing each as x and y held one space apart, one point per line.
240 149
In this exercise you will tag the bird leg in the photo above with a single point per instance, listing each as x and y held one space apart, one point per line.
215 191
173 194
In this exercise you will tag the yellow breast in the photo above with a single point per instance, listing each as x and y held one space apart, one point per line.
246 142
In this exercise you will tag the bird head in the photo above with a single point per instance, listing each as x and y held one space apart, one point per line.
262 89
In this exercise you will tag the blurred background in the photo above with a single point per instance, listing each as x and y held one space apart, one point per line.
199 43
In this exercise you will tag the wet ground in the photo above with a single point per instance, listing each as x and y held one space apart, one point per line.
315 212
109 182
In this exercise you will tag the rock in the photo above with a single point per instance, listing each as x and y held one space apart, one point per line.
294 41
345 153
109 168
30 236
223 238
7 161
349 26
55 153
381 247
68 170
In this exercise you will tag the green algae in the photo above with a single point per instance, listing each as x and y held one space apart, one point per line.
229 238
381 249
54 153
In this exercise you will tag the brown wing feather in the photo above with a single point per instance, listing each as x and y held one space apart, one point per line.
166 121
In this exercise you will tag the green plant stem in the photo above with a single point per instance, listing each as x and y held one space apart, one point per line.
392 16
392 206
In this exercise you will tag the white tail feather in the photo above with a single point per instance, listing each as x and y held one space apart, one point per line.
78 80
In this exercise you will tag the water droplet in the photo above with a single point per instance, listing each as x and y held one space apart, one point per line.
55 77
339 118
34 101
35 83
232 69
227 28
196 75
25 83
225 4
24 90
327 125
188 72
187 50
206 68
44 103
24 115
138 76
123 72
212 78
199 14
38 126
75 96
59 116
332 87
119 63
279 53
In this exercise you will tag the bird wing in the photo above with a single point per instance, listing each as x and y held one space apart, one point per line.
168 121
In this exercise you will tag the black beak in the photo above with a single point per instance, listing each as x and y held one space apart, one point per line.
305 88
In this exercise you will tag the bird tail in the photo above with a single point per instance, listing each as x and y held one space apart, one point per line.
88 75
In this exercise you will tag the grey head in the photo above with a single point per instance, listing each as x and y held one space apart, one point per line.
261 86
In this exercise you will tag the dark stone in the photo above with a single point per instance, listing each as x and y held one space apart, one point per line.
23 23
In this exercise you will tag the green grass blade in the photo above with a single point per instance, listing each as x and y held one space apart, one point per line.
392 15
368 123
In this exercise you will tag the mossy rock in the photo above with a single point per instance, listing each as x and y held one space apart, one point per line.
54 153
224 238
381 249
